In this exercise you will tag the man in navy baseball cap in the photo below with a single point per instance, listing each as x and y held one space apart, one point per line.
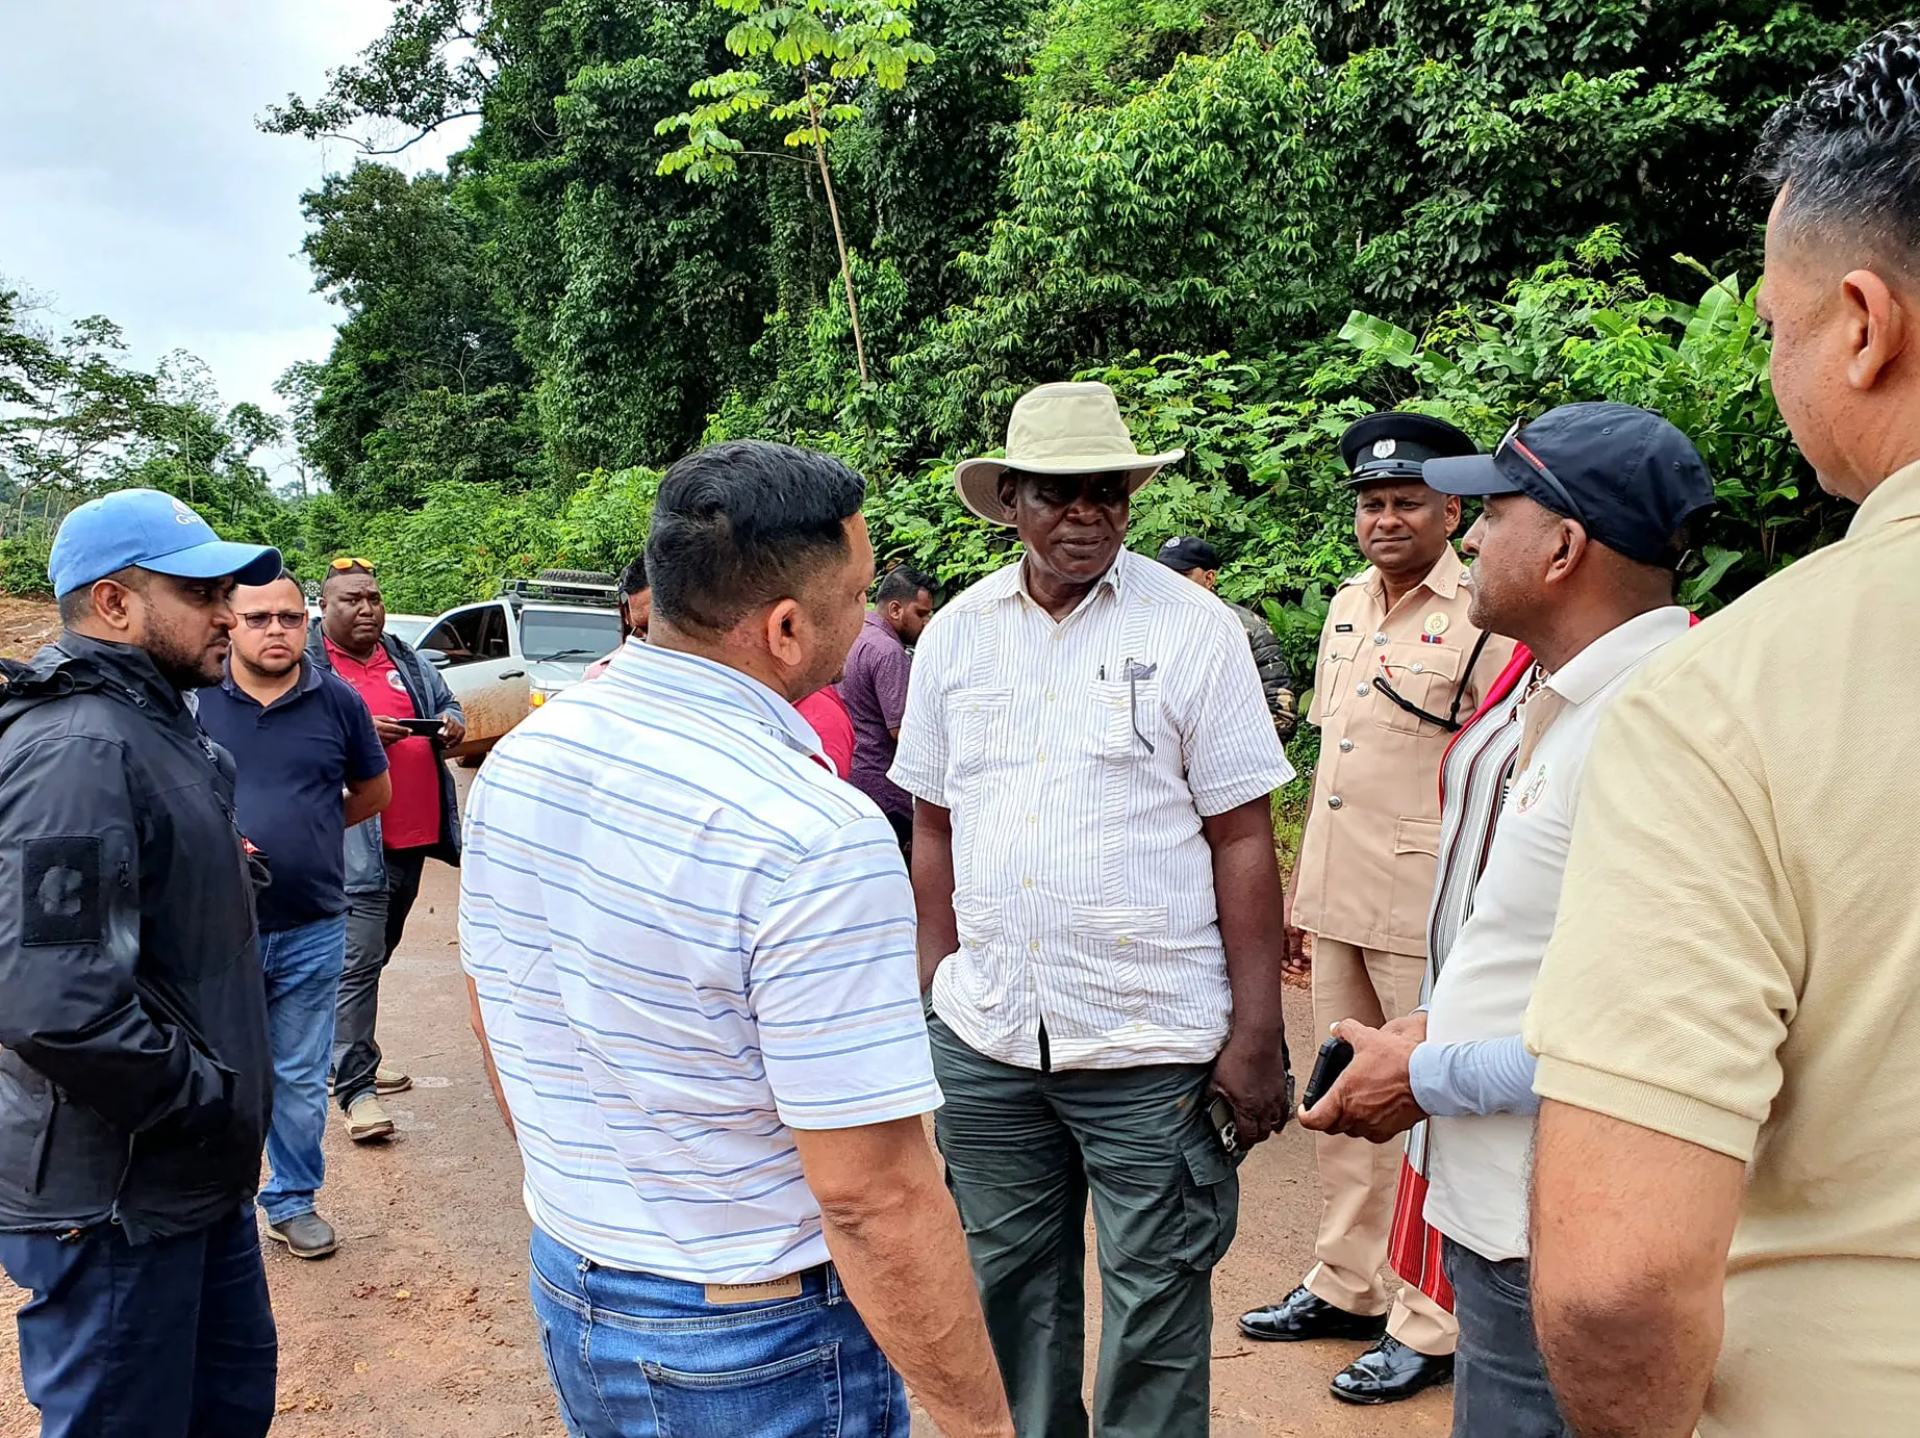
1625 475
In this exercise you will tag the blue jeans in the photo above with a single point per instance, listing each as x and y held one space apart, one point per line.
172 1338
1500 1387
303 982
635 1356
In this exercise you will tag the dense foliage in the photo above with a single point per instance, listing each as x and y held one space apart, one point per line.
1256 219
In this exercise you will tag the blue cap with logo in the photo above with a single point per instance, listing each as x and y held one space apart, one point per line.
154 531
1626 475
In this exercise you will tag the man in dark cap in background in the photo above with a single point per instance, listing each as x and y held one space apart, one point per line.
1401 667
136 1075
1200 562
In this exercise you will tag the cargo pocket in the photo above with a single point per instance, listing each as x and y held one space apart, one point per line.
1416 854
798 1395
976 722
26 1124
1121 940
1210 1200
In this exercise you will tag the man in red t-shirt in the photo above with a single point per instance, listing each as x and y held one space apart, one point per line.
385 856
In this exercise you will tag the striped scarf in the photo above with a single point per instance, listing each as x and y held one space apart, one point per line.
1473 786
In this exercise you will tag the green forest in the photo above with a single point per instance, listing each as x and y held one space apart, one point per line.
867 225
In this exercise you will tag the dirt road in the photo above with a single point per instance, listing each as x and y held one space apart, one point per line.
420 1328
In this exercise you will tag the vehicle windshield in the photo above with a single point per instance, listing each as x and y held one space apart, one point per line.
568 633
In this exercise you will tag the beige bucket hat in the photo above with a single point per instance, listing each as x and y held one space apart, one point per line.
1059 429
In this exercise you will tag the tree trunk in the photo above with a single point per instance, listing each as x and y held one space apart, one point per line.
839 237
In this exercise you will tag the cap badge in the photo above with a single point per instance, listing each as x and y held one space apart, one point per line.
1384 448
183 515
1437 624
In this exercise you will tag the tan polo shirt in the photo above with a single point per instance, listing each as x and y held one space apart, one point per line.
1372 840
1737 963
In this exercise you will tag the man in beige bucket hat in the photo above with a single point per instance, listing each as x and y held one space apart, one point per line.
1100 924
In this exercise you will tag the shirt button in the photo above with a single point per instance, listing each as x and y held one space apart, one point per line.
1042 757
1346 746
1363 690
1419 668
1049 699
1334 801
1026 883
1124 941
1379 639
1056 636
1035 946
1033 818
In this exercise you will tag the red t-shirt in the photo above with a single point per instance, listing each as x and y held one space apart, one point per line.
827 712
412 820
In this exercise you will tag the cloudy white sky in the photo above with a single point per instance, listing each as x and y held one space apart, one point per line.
134 184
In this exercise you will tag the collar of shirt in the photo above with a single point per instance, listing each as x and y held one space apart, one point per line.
1897 498
1443 579
877 622
1010 583
725 694
340 656
1616 651
308 681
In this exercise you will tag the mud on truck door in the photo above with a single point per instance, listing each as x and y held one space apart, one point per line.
488 679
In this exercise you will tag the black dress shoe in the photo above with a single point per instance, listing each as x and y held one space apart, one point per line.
1302 1315
1388 1372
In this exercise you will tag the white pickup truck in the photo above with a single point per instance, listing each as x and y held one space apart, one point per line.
504 656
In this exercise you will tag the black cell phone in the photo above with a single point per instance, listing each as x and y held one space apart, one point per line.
425 728
1335 1055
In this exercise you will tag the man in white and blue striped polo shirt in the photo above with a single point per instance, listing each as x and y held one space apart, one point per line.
692 955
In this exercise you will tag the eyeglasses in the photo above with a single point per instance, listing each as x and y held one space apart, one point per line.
1518 446
352 563
288 618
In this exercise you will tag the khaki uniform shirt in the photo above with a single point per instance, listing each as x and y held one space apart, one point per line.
1737 964
1372 841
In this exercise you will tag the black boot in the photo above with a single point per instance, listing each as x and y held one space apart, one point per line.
1388 1372
1302 1315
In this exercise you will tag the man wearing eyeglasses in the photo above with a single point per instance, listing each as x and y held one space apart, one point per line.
386 855
309 767
1100 925
1401 668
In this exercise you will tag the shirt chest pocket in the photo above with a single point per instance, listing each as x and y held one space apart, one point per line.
1124 720
1425 676
979 724
1339 673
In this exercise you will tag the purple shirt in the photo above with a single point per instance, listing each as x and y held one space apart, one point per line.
875 691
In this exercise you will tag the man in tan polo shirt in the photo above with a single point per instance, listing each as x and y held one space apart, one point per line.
1400 668
1726 1190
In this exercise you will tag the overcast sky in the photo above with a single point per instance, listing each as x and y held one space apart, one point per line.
134 184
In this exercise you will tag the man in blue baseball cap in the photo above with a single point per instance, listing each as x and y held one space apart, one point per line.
135 1072
1585 520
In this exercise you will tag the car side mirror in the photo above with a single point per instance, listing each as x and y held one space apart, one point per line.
436 657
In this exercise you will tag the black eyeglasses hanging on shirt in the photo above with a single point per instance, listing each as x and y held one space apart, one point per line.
1452 721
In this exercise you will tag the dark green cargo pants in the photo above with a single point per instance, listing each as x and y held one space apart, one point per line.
1024 1150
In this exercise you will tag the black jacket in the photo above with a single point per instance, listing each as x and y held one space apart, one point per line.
136 1079
1275 677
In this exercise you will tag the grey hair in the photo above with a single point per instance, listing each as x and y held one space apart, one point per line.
1847 150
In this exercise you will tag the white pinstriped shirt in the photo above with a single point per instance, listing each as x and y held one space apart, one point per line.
688 937
1082 884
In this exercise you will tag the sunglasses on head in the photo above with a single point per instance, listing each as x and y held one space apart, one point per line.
1514 444
353 563
287 618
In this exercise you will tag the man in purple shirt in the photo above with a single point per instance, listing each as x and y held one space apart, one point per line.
875 690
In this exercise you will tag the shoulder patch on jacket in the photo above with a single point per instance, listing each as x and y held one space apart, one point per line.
60 890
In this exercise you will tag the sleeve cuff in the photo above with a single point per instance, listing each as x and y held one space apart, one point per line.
1647 1106
1426 1070
921 786
1219 798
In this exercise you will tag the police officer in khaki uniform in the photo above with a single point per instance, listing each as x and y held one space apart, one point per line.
1400 670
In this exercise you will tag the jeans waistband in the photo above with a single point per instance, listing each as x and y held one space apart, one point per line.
585 1280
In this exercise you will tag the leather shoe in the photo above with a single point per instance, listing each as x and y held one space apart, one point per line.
1302 1315
1388 1372
306 1235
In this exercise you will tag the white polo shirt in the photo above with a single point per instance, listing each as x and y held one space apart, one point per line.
1078 758
1477 1167
688 937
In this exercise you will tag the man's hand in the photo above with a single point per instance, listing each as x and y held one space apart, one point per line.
452 731
1252 1073
1373 1099
1296 962
391 731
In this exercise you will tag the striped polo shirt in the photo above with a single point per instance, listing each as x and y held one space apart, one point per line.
688 937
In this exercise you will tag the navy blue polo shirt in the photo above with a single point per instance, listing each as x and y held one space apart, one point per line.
293 759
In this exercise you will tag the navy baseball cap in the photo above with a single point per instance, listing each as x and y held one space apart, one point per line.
1625 474
154 531
1188 553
